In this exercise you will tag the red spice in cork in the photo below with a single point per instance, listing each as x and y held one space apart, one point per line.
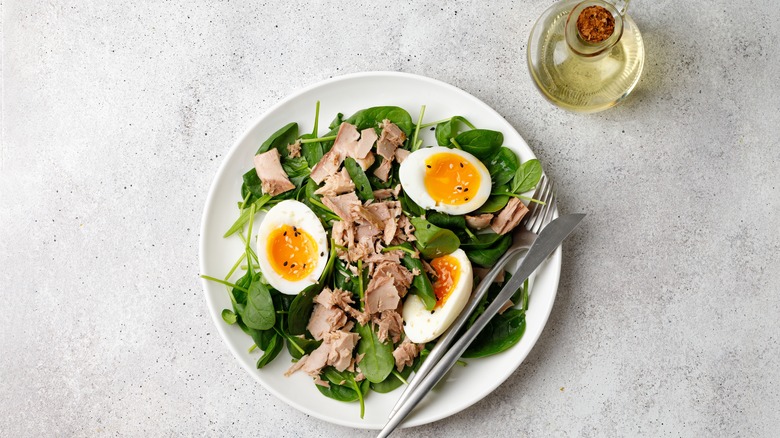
595 24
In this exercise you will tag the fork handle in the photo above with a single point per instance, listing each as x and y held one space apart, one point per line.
449 336
439 367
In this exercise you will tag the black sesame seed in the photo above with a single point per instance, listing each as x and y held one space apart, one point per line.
433 128
295 229
304 265
285 233
285 263
461 165
322 254
404 322
432 311
428 166
467 199
466 189
429 225
293 265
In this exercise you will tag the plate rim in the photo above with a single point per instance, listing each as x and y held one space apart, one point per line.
554 262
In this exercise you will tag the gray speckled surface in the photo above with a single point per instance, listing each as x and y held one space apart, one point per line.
116 115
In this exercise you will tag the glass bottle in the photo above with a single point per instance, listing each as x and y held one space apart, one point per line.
574 71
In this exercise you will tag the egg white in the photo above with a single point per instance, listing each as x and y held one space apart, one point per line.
297 214
423 326
412 176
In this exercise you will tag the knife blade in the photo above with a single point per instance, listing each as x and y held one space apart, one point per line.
549 239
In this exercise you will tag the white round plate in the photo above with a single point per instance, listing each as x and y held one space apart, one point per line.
464 386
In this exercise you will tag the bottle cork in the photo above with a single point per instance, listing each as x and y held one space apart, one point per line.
595 24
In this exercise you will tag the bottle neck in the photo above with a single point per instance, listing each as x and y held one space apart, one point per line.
594 26
622 6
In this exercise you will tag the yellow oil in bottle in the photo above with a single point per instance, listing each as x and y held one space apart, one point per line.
579 76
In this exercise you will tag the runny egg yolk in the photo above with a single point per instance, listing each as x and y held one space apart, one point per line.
447 275
450 179
291 252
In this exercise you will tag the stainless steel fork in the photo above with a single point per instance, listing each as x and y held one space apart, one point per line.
538 216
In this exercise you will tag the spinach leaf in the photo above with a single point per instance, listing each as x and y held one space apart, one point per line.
343 393
377 183
482 143
378 360
342 278
259 312
272 350
338 392
239 295
228 316
392 381
282 301
280 139
297 169
501 333
445 220
493 204
344 387
421 284
449 129
334 125
333 375
433 241
250 332
409 207
263 338
527 176
311 152
252 184
481 241
295 345
372 117
524 295
300 309
502 166
362 186
517 297
488 257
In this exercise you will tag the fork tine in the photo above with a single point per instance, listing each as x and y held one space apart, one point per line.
550 211
539 221
533 206
535 221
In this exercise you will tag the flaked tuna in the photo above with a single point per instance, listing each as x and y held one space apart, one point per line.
389 326
367 139
272 177
345 144
509 217
401 154
383 171
381 294
402 277
294 149
480 221
365 163
342 204
405 353
392 137
325 319
336 184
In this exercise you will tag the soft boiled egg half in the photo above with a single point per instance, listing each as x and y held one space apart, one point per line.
454 279
447 180
292 247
